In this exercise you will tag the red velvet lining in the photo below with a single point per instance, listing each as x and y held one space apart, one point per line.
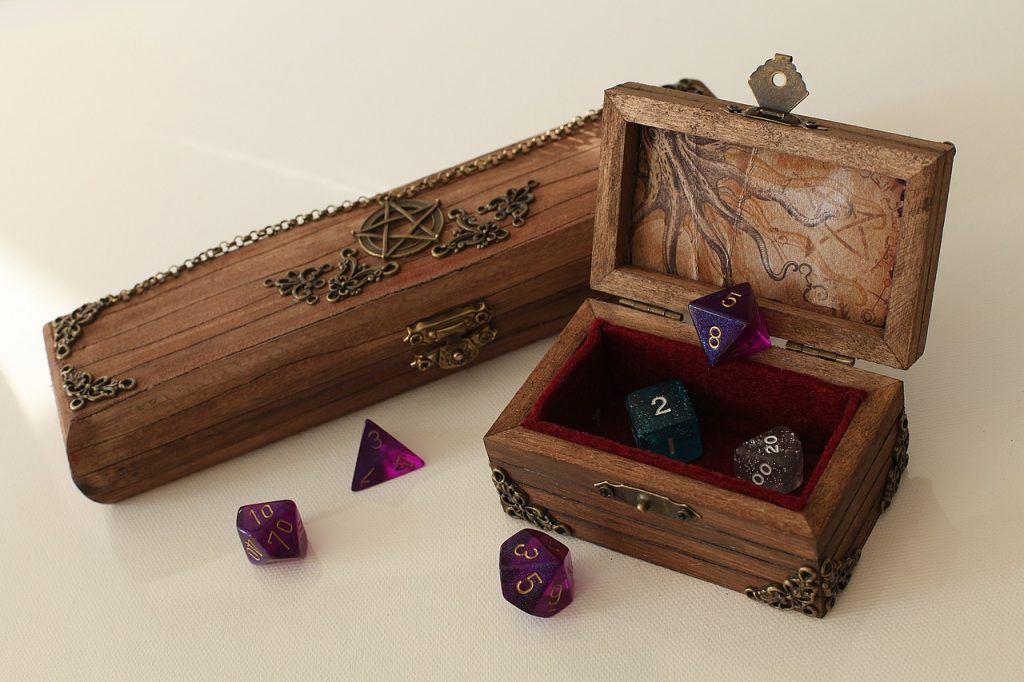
735 401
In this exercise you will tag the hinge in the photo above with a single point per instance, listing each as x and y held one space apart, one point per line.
819 353
648 308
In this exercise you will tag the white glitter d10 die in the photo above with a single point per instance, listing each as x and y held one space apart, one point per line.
775 460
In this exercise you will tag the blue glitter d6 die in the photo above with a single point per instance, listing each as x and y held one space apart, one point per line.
664 420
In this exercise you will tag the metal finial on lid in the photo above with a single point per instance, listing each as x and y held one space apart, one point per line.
777 85
778 88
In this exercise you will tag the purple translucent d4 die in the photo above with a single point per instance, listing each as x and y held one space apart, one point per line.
729 324
775 460
271 531
536 573
381 458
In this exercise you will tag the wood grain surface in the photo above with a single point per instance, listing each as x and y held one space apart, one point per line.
224 364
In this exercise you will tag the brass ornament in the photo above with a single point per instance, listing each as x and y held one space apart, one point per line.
353 277
470 232
517 505
810 591
451 339
67 328
514 204
900 459
401 227
301 284
82 388
455 355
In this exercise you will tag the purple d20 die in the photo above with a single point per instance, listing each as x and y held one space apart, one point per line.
775 460
271 531
536 573
729 324
381 458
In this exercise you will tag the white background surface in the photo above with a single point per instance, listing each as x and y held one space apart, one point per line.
134 134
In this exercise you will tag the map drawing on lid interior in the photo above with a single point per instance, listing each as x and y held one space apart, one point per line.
802 231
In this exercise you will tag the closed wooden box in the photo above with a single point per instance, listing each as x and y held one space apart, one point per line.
837 228
308 319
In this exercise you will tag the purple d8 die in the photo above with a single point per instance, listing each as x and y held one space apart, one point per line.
775 460
271 531
729 324
536 573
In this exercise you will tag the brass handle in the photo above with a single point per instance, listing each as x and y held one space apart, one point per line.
646 501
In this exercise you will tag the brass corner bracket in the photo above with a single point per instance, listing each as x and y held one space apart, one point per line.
900 459
810 591
516 504
83 388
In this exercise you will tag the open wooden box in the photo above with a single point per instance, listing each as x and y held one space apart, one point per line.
837 228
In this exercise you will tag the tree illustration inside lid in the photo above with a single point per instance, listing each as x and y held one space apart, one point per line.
802 231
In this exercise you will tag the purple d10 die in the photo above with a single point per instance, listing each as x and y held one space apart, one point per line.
729 324
536 573
271 531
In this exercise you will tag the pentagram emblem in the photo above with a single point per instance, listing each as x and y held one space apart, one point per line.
401 227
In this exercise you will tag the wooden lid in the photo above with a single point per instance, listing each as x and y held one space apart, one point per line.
837 228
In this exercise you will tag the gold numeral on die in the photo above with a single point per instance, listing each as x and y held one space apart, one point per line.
715 337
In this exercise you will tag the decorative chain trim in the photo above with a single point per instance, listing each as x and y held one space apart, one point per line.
517 505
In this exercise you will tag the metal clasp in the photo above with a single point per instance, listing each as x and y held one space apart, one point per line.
778 87
451 339
645 501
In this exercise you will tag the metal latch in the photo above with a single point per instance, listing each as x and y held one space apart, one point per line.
451 339
819 353
646 501
653 309
778 87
